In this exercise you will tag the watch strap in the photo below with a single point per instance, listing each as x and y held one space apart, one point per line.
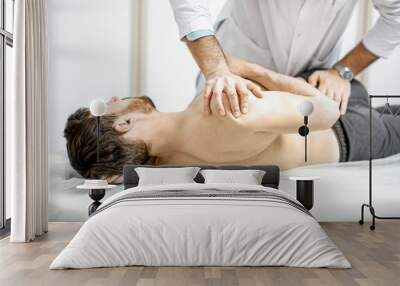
344 72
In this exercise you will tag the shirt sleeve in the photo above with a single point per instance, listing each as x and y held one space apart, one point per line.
199 34
384 36
191 16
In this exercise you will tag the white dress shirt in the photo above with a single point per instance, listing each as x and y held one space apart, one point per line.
288 36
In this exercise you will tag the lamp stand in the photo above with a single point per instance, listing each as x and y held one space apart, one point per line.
97 137
303 131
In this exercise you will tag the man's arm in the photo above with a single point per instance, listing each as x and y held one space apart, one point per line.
269 79
278 112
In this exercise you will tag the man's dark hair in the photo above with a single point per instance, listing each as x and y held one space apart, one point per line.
80 133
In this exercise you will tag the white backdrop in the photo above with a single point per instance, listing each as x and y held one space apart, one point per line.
169 70
90 48
383 77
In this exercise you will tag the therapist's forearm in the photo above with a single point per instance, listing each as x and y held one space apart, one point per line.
358 59
208 55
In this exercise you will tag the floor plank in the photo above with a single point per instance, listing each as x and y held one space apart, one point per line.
375 257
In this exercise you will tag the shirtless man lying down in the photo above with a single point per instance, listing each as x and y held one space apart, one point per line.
134 132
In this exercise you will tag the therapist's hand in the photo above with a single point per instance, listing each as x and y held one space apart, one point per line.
330 83
235 88
221 80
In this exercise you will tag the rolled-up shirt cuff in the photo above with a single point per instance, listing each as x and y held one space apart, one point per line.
198 24
199 34
382 40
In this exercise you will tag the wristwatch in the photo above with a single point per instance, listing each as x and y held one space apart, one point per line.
344 72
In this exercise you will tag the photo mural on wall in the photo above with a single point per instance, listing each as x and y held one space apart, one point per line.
122 52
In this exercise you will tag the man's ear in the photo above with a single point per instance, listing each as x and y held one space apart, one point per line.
121 125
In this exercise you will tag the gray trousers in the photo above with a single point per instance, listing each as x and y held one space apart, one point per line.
385 127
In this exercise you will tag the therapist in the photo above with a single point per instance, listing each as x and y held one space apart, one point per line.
289 37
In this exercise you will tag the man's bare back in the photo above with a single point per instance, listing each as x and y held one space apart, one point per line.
266 135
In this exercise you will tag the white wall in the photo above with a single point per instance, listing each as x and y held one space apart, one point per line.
89 56
170 71
383 76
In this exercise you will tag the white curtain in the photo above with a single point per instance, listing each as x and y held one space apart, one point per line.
27 148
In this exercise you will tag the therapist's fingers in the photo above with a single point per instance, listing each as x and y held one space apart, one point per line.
345 98
217 103
313 79
243 93
322 87
344 104
255 89
330 92
230 91
344 101
207 98
217 96
338 95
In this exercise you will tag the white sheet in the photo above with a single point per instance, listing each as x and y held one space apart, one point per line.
343 187
206 231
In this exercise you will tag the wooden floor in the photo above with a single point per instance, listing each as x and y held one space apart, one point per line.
375 257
